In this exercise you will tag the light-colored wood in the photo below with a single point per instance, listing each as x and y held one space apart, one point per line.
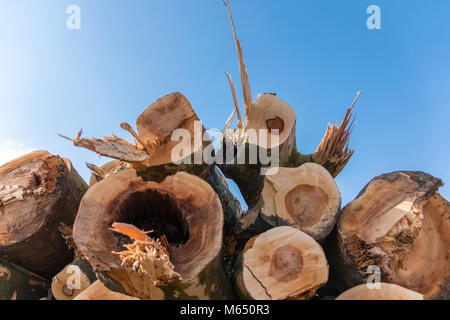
97 291
72 280
401 224
282 263
306 197
183 208
38 191
386 291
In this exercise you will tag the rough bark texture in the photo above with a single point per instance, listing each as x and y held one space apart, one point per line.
37 192
401 224
17 283
183 208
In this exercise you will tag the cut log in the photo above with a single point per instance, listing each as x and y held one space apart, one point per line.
183 209
17 283
386 291
97 291
401 224
38 191
163 127
277 121
282 263
306 198
170 139
73 279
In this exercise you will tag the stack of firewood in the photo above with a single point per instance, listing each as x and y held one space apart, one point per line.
159 222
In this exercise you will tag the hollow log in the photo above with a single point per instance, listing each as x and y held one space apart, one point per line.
400 224
386 291
282 263
183 209
97 291
38 191
17 283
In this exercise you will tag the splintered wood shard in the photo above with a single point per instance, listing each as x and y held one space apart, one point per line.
243 70
146 255
112 147
240 124
334 151
131 231
98 172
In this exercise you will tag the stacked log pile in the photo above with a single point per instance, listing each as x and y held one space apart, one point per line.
160 222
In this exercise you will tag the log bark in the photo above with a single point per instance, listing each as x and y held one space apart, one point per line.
38 191
386 291
17 283
183 209
282 263
97 291
399 223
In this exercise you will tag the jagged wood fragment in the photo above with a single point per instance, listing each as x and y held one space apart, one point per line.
112 147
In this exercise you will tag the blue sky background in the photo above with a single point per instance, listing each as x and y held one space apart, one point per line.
314 54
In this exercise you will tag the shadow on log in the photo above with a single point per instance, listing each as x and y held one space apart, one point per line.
38 191
17 283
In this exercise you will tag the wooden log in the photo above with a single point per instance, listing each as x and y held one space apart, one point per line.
400 224
73 279
38 191
172 153
97 291
306 198
99 173
183 209
170 139
386 291
277 120
17 283
282 263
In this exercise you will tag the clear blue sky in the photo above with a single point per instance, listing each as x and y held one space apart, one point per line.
314 54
